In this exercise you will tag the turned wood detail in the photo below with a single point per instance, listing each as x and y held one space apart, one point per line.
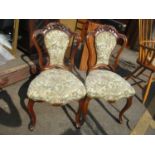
146 57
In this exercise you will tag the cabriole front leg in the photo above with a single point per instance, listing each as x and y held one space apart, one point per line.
32 114
126 107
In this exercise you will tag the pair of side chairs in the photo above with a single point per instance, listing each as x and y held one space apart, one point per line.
57 84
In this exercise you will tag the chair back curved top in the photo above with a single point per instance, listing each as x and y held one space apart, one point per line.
147 43
56 41
105 39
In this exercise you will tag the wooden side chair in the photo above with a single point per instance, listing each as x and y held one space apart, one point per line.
102 81
146 58
56 84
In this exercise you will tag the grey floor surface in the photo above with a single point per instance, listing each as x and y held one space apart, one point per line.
102 117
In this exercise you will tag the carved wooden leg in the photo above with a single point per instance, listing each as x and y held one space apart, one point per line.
148 87
78 114
82 111
85 108
126 107
32 114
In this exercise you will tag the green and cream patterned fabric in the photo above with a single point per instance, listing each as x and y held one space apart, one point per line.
105 43
107 85
56 42
56 86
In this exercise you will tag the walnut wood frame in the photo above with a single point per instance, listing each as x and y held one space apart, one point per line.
49 65
83 106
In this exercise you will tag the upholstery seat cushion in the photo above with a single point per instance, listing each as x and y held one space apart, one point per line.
107 85
56 86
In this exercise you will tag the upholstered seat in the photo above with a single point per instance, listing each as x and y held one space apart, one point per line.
56 86
107 85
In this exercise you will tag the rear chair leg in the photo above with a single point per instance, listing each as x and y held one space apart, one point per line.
32 114
78 114
85 108
82 111
148 87
126 107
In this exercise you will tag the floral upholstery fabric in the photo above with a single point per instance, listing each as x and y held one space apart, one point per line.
107 85
56 42
56 86
105 43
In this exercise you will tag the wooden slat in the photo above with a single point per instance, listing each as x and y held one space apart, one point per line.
16 74
84 58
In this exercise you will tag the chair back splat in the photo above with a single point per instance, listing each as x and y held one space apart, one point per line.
105 39
56 41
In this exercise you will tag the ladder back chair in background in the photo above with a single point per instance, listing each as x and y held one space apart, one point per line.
102 81
146 58
56 84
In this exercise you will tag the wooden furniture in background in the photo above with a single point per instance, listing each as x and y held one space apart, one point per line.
13 49
84 58
26 30
146 59
82 27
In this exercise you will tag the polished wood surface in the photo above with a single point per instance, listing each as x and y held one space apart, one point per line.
146 56
85 53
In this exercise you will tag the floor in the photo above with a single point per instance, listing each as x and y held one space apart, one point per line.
101 120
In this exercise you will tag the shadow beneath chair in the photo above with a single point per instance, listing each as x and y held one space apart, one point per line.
98 126
112 116
102 105
22 93
72 132
122 72
68 108
11 118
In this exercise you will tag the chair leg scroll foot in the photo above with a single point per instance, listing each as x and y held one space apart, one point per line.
82 112
126 107
79 115
32 115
